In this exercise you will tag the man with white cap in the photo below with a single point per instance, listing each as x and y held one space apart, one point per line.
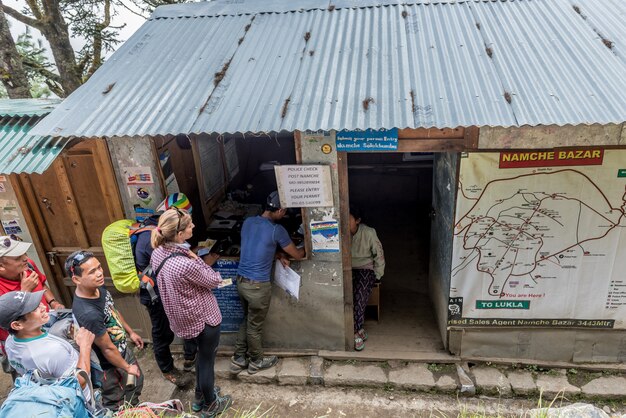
19 273
29 348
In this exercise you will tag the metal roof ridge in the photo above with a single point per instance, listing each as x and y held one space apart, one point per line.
170 11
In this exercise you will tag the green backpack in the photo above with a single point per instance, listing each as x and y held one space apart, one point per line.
117 243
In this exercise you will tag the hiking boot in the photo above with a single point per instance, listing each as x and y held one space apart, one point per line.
237 364
362 333
188 365
198 400
262 364
219 405
176 377
359 344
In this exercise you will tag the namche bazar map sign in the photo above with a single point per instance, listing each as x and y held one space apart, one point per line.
540 240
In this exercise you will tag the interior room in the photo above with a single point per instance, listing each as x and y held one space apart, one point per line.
394 193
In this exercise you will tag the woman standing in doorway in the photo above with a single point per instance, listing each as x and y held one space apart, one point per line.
186 282
368 267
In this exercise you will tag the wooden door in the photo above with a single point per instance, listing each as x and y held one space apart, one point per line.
71 203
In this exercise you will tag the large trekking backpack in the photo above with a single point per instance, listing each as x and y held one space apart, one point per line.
35 397
119 252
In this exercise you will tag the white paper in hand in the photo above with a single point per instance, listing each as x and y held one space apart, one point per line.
287 279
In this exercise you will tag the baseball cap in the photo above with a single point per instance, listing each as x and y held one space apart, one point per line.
15 304
179 200
10 247
273 200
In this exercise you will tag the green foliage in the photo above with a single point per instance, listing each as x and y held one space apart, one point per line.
434 367
33 54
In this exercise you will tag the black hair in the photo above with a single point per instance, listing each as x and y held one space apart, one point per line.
14 331
356 212
73 268
268 208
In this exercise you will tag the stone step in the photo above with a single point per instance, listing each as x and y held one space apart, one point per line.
428 377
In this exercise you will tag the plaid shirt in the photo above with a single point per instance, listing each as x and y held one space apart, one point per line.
185 285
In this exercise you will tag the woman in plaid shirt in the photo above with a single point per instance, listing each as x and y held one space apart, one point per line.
186 282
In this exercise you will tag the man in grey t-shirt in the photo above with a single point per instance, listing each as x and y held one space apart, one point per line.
29 348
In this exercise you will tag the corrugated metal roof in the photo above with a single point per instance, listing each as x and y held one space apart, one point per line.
253 66
21 152
27 107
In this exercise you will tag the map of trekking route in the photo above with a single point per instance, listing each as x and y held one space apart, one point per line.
540 239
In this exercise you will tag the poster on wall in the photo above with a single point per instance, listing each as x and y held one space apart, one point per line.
11 226
227 296
211 166
304 186
325 236
539 240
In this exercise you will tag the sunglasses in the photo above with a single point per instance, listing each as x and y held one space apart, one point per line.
180 217
79 259
6 242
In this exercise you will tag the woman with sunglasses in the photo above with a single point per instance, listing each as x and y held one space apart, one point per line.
186 282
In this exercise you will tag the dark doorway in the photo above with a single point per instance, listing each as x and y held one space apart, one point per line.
394 191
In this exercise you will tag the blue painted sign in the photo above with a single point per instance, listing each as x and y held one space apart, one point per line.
368 140
227 297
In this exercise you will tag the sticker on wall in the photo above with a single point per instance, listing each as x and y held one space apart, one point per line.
138 175
327 149
11 226
144 195
141 214
325 236
3 188
3 178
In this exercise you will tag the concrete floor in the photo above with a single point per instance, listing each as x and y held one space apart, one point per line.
407 323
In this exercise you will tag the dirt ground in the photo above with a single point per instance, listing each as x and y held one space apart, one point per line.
319 401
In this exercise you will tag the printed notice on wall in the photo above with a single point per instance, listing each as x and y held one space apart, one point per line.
304 186
539 240
227 296
325 236
368 140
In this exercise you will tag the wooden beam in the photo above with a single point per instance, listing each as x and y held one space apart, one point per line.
107 179
431 145
72 208
306 219
471 137
61 292
431 133
346 248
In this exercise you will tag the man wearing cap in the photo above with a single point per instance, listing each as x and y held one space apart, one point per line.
162 335
19 273
94 309
261 237
29 348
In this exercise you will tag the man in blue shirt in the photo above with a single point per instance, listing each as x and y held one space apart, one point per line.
262 241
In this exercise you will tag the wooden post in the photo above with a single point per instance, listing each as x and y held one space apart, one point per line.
346 245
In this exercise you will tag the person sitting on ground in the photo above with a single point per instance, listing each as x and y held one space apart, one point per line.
260 238
30 348
186 282
19 273
162 335
368 267
94 309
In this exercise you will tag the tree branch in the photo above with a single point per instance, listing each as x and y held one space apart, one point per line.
97 39
55 88
39 69
22 18
34 8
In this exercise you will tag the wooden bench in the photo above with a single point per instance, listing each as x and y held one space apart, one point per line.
374 300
